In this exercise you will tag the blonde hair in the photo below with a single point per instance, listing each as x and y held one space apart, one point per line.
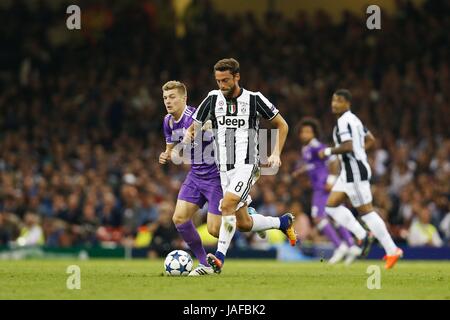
173 84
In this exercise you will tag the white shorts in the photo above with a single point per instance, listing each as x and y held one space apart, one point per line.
239 181
358 192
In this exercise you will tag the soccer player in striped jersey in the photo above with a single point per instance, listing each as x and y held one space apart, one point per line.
202 183
351 140
322 182
235 113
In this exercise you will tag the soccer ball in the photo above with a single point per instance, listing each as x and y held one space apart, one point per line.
178 263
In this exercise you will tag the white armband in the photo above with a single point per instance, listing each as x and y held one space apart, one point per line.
327 152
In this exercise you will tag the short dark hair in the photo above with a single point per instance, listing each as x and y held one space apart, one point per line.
310 122
229 64
344 93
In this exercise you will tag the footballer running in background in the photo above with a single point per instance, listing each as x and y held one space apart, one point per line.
321 182
351 140
235 113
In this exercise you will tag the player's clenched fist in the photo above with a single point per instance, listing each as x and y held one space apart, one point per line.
164 157
274 161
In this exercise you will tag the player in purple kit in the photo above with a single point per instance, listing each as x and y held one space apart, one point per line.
202 183
321 182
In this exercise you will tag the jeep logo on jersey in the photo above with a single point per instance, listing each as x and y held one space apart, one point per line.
232 122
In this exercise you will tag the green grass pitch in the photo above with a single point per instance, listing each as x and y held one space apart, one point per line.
240 279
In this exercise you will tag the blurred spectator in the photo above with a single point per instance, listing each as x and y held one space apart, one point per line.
402 172
445 226
88 225
422 232
31 233
4 235
109 213
165 236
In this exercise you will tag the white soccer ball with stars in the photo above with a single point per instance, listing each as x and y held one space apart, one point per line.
178 263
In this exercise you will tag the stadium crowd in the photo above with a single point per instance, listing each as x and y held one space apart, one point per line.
81 114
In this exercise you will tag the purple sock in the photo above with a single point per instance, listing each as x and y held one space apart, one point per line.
345 234
192 238
327 229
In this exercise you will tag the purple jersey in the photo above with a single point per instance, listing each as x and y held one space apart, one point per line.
316 167
174 133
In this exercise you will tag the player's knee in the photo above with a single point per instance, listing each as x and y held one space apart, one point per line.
334 200
228 207
177 219
331 203
214 230
365 209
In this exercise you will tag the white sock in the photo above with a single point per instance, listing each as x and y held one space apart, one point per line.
261 223
226 233
378 227
345 218
322 224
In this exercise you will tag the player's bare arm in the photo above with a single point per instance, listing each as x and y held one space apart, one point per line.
345 147
193 130
302 170
333 169
369 141
279 123
164 157
189 135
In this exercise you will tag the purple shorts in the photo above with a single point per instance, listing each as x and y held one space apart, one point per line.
201 190
319 201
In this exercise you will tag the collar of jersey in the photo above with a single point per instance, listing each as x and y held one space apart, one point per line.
344 113
313 141
184 110
240 94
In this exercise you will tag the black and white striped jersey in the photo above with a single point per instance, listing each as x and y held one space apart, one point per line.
235 123
354 165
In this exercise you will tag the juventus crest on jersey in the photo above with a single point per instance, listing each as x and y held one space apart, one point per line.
354 165
236 124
